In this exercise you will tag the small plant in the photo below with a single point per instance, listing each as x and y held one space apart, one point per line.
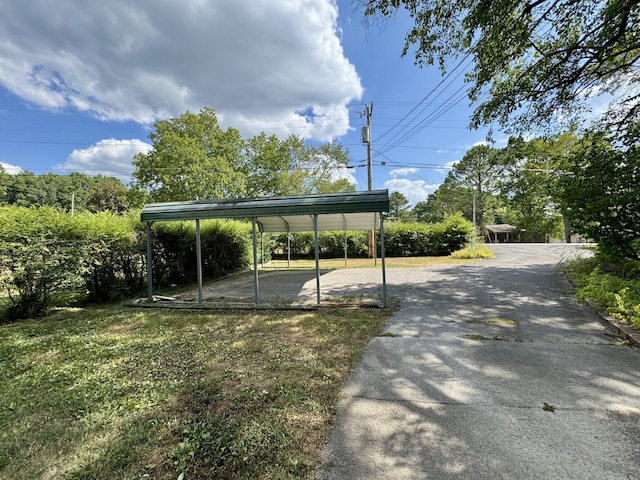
473 252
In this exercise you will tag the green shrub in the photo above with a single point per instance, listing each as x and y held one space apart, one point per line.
419 239
37 262
113 250
226 247
612 285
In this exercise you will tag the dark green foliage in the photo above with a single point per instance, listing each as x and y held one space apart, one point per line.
226 247
602 194
113 252
535 63
47 256
75 191
418 239
332 244
37 262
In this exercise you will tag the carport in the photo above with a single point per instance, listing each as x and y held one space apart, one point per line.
300 213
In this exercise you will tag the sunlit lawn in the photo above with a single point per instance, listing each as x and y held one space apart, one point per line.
119 393
390 262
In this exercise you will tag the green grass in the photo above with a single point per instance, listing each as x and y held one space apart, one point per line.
390 262
120 393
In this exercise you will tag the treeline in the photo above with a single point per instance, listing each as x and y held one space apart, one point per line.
75 191
547 188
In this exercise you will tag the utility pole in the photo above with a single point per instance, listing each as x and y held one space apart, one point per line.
366 139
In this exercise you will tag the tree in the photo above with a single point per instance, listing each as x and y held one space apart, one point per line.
529 183
478 171
428 211
398 205
601 192
4 181
192 158
276 167
107 193
536 62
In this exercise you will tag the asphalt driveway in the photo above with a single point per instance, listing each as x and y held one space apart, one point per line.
490 370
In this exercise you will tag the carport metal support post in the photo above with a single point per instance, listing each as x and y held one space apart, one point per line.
149 265
199 259
317 251
384 271
256 300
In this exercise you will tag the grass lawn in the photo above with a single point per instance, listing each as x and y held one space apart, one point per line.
120 393
337 263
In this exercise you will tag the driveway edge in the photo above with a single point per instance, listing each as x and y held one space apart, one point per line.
626 331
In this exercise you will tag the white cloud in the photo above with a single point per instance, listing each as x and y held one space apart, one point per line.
10 169
345 173
414 190
272 65
446 168
108 157
402 172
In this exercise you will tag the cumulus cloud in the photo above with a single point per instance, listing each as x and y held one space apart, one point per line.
414 190
401 172
109 157
10 169
264 65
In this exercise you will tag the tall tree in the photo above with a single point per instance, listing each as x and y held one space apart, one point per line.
479 172
536 62
192 158
4 182
398 206
530 183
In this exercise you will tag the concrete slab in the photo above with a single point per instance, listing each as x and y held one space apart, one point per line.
429 402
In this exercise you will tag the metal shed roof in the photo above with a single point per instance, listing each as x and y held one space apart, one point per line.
336 211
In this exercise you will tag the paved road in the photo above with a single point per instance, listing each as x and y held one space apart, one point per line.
431 402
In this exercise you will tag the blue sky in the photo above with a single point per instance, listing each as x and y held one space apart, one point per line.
81 84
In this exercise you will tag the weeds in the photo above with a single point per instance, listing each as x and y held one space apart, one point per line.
612 286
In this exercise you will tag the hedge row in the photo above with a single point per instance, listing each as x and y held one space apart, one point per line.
400 239
49 258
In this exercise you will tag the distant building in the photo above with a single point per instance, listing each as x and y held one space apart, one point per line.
500 233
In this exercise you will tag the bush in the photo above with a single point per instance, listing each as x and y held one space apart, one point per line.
226 247
419 239
46 254
37 262
612 285
113 250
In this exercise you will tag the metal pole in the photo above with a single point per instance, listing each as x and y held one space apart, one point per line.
317 251
199 259
149 265
288 250
384 271
255 261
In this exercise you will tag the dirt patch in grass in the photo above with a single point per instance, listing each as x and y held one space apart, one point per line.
112 392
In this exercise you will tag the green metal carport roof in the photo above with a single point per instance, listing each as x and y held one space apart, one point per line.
328 212
336 211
